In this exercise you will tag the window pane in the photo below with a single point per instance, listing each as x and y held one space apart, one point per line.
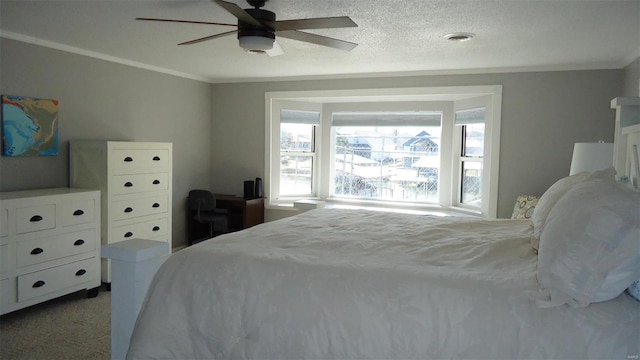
471 183
473 145
296 137
296 168
392 163
295 175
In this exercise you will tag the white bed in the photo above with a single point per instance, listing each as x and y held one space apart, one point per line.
337 284
345 284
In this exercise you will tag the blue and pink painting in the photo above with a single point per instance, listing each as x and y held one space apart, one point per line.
29 126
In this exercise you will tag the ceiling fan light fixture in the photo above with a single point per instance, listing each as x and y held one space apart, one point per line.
459 36
256 44
257 28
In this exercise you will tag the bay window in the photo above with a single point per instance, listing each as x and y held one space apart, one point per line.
422 147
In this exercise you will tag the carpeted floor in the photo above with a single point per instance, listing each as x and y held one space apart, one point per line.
70 327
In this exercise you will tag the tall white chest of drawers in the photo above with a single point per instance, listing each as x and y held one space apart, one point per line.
49 245
135 181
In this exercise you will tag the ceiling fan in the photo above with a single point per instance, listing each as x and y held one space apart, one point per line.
257 28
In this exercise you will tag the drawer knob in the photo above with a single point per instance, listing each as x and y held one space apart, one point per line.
78 212
156 228
156 205
128 210
156 158
156 182
38 284
37 251
36 218
81 272
128 159
128 234
78 242
128 184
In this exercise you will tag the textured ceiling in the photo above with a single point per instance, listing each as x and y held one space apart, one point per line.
394 36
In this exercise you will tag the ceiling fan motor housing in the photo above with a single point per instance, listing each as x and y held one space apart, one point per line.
257 3
247 29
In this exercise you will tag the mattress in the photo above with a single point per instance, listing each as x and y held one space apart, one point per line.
360 284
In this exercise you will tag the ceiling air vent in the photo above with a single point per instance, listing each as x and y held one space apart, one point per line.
460 36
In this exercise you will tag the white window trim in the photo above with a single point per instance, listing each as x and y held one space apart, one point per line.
458 96
491 149
272 158
327 129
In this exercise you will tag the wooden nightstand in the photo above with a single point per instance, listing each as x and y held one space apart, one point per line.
242 213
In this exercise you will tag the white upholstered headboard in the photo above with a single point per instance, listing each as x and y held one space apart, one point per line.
627 138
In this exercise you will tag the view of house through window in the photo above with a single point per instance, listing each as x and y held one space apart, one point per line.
297 152
296 159
398 163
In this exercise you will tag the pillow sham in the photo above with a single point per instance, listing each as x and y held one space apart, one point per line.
524 207
589 243
548 200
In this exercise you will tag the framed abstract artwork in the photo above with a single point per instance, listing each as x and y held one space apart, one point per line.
29 126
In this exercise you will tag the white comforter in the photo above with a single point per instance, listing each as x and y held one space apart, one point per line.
345 284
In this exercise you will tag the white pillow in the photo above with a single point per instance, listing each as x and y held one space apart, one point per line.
550 198
589 246
547 201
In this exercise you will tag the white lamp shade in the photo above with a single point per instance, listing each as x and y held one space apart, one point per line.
591 157
256 43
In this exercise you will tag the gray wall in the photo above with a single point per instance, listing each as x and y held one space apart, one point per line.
632 79
543 115
104 100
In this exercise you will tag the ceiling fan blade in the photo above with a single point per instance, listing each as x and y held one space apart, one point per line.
276 50
315 23
318 39
238 12
209 37
186 21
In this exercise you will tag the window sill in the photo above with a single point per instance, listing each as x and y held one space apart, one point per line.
467 211
422 209
283 206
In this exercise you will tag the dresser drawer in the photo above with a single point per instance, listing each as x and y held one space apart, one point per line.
55 247
143 230
35 218
50 233
79 211
135 161
57 278
131 208
4 222
136 183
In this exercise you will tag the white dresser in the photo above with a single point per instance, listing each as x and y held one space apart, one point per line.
49 245
135 181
